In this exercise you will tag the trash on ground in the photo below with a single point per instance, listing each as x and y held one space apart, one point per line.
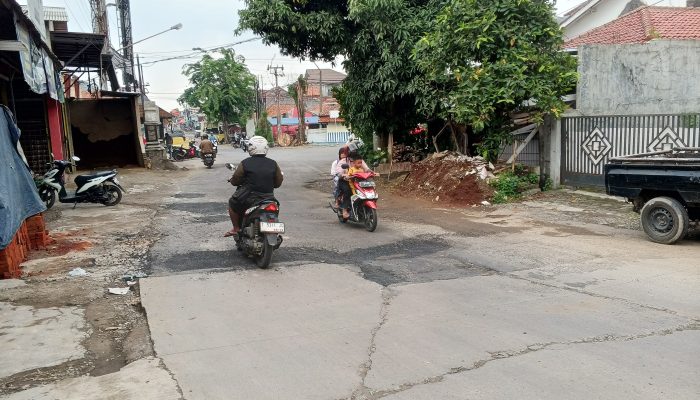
78 272
119 291
131 283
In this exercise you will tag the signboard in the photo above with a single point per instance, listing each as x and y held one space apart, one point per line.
35 11
334 114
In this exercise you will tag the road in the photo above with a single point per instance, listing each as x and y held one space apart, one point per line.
436 304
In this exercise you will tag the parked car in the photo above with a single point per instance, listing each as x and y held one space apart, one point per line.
664 188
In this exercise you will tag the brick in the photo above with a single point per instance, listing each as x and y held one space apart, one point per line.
35 223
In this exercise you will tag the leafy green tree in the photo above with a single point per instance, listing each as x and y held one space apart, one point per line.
264 129
376 39
223 88
490 57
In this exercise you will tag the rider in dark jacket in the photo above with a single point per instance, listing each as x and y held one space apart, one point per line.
256 177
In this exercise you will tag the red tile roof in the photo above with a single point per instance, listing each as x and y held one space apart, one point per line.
643 25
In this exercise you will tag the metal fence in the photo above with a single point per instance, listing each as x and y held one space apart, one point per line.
588 142
530 155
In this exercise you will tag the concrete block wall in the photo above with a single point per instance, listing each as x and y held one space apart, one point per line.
658 77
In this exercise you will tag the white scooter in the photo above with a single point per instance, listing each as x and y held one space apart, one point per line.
100 187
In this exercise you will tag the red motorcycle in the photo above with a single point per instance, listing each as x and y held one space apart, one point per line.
363 203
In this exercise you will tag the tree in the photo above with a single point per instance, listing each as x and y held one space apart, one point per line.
223 88
491 57
297 91
376 38
264 129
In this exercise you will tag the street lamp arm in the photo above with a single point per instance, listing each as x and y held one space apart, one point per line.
172 28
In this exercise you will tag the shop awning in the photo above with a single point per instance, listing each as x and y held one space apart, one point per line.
81 51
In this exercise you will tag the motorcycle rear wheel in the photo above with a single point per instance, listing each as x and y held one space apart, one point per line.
178 156
112 193
264 259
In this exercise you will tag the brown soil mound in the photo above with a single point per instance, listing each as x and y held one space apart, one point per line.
451 182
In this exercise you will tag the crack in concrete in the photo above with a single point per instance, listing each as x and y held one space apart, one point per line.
505 354
362 392
597 295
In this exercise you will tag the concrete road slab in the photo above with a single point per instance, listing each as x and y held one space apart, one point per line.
651 368
433 328
297 333
39 337
142 379
668 283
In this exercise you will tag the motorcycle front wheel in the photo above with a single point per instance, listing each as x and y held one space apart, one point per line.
113 195
264 259
370 219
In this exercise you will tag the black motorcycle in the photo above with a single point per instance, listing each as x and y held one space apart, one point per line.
208 159
101 187
261 232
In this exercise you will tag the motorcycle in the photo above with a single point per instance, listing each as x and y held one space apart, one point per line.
208 159
101 187
236 140
180 153
244 145
261 232
363 203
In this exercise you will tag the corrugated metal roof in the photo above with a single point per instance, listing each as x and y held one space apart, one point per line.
57 14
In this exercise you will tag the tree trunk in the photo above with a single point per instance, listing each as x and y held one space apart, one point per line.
453 135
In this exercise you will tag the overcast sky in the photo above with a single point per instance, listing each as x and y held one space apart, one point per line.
206 24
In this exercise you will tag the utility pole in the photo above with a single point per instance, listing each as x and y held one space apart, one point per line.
277 91
129 74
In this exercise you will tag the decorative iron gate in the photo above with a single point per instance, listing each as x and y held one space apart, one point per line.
588 142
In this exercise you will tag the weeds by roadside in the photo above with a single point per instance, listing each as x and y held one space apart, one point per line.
510 185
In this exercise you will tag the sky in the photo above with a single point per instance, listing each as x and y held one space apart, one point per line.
206 24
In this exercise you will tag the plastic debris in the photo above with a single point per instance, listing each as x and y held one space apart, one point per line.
485 203
131 283
77 272
119 291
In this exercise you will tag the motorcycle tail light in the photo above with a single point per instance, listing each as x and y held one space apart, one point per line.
271 207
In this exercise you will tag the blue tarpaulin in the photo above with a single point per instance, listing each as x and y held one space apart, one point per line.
19 198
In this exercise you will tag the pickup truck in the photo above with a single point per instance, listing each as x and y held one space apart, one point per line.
663 186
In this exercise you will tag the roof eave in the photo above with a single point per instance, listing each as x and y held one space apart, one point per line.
580 12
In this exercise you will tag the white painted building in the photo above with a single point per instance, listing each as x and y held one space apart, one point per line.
594 13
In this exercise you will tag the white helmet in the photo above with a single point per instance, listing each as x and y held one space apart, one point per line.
257 145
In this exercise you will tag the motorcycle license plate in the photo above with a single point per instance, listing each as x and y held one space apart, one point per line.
271 227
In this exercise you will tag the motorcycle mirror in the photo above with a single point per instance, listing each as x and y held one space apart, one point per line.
75 158
345 166
229 166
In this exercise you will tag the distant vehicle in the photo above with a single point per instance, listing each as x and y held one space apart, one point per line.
664 188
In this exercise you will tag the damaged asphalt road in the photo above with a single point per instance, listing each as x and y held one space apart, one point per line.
480 304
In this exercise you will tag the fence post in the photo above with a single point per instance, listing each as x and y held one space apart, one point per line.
555 154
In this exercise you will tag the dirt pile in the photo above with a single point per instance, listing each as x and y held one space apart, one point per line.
450 179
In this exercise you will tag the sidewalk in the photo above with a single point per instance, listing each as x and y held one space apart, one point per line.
66 332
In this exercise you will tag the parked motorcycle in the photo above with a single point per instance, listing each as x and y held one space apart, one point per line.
208 160
261 232
363 202
181 153
101 187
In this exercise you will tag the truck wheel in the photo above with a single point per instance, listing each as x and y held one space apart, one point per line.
664 220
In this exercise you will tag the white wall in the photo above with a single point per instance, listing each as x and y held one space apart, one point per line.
606 11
